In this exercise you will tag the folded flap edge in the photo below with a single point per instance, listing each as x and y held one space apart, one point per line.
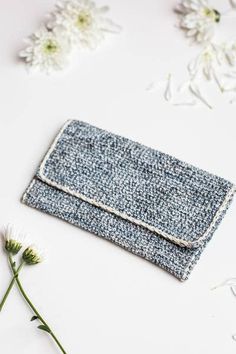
169 237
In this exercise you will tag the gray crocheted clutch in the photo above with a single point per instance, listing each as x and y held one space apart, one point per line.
145 201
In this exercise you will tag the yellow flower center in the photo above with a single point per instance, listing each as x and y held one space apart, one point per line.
13 246
84 20
213 14
50 47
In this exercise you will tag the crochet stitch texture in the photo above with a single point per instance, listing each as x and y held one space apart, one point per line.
143 200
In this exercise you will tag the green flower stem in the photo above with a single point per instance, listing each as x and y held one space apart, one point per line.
11 285
36 313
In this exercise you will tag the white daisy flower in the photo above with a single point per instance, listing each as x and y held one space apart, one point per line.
46 50
198 19
83 22
32 255
13 240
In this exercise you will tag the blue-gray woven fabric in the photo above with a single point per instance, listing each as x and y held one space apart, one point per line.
125 192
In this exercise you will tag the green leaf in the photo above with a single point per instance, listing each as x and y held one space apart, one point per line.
34 318
44 328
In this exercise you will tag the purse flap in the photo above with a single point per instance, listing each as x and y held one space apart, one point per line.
144 186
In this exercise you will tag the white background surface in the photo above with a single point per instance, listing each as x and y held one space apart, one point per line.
99 298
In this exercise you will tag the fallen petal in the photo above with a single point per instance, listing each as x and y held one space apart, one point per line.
196 92
168 91
233 289
228 282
